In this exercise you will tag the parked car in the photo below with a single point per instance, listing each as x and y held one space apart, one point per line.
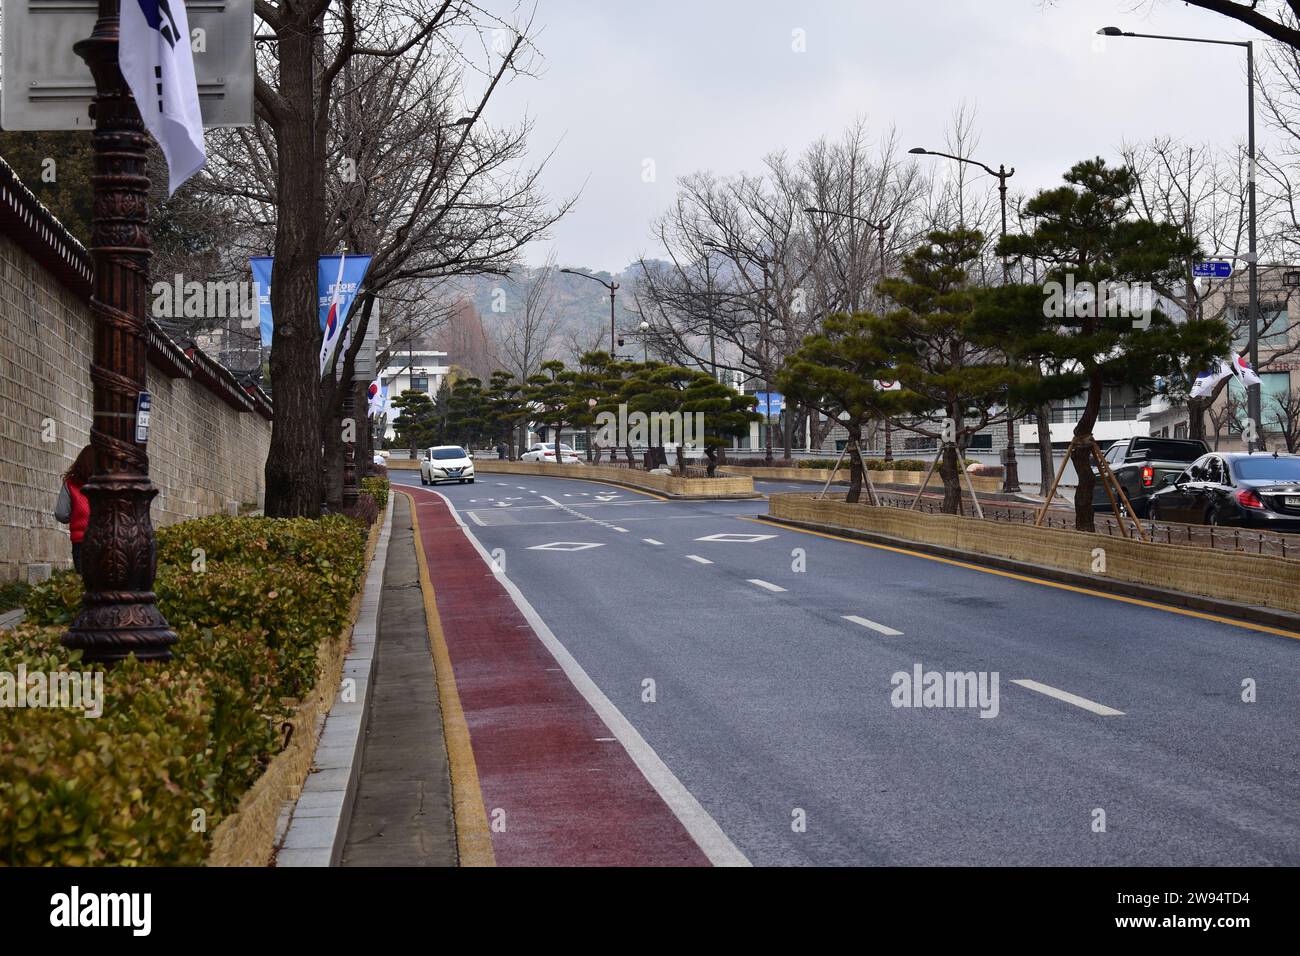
1141 463
545 451
446 463
1259 490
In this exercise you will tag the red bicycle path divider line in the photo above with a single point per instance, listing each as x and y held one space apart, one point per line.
564 797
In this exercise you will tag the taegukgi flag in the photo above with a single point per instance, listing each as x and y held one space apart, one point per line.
347 273
1205 382
1241 368
155 57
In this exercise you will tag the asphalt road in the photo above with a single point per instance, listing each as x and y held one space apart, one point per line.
773 658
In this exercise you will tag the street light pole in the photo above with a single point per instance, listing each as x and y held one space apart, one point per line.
880 227
1253 398
1011 478
612 287
119 614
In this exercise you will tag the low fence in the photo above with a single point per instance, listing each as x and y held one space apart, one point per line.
1241 578
890 477
670 485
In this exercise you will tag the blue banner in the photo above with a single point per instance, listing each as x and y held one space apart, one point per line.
328 277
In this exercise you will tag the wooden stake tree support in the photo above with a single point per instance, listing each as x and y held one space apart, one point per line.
119 614
1114 490
970 485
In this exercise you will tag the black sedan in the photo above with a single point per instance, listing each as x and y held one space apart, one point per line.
1259 490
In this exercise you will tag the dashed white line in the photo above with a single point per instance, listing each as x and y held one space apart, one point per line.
768 585
1075 699
887 631
698 560
652 541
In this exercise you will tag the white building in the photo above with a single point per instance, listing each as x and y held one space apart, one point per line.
422 370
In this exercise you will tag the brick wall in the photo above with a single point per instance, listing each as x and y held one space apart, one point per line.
205 454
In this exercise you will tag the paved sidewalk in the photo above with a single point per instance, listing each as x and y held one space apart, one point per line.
403 810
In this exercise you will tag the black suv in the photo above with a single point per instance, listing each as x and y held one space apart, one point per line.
1258 490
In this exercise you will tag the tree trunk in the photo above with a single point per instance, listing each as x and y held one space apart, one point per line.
1196 417
855 465
1084 520
681 459
1046 459
950 466
293 463
711 454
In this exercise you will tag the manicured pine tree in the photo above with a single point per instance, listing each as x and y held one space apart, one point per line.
1097 323
955 378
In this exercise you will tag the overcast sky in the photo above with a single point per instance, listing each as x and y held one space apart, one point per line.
716 84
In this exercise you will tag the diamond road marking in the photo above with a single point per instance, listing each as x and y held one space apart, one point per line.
737 538
565 546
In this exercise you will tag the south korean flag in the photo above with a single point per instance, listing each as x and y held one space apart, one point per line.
155 57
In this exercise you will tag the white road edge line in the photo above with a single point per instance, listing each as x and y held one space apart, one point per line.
1075 699
704 830
698 560
887 631
759 582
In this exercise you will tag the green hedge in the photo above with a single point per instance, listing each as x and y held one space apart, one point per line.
251 599
377 488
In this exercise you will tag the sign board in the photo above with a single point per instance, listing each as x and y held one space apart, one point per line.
1212 269
143 409
770 404
46 86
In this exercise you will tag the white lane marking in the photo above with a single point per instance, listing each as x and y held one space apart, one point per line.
698 560
704 830
476 519
759 582
503 504
738 538
1075 699
501 484
605 740
652 541
617 528
887 631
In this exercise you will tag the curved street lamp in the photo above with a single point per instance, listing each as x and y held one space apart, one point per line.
612 287
1252 392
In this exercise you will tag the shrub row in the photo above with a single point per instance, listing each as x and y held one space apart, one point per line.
377 487
178 744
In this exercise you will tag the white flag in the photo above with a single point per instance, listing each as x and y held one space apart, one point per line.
1205 382
333 321
154 54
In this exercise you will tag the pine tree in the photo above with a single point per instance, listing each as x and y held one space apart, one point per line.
1098 322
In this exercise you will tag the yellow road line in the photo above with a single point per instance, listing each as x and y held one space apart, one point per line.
473 835
1186 612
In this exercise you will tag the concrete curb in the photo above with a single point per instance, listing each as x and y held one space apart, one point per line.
318 825
1255 614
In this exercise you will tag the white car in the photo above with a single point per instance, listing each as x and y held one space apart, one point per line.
545 451
446 463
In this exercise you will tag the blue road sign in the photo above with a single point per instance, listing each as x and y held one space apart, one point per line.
1212 269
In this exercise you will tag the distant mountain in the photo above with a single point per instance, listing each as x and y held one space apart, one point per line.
581 304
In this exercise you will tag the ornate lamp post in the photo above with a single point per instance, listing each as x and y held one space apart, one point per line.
119 614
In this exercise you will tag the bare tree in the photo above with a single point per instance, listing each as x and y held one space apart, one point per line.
1286 416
